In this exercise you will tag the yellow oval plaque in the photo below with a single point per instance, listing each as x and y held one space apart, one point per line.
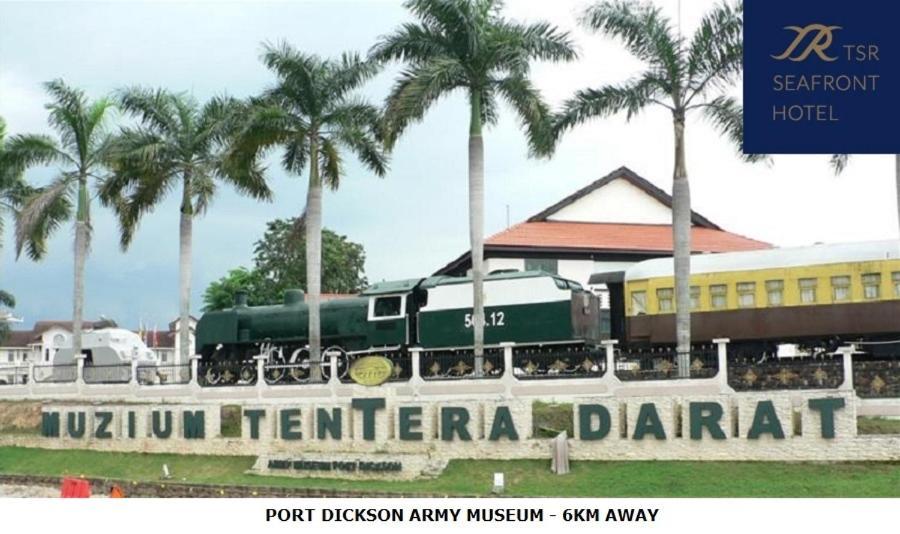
371 370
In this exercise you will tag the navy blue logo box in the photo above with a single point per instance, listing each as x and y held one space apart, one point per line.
822 76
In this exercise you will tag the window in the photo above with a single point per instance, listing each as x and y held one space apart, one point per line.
775 292
840 288
746 294
808 290
666 298
895 278
871 286
695 297
548 265
10 357
718 296
639 302
387 306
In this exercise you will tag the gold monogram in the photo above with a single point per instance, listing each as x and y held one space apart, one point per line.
819 43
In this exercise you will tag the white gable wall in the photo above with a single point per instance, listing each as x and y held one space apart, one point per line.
617 202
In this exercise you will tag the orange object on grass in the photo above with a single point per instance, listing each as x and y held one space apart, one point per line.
75 488
116 492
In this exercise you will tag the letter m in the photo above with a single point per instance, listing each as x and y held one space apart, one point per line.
194 427
50 424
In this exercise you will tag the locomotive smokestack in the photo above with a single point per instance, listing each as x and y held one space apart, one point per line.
240 299
293 296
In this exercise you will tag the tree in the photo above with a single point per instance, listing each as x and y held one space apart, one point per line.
682 77
312 114
280 264
280 257
8 301
467 45
81 155
220 294
176 144
839 163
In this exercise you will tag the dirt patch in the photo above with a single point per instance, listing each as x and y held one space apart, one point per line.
20 417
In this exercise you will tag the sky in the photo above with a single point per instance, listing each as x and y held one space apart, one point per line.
412 221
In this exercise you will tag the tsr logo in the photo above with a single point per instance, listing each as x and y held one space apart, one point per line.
819 44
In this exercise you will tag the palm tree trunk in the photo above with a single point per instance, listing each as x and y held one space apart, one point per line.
184 274
82 229
681 233
314 259
476 228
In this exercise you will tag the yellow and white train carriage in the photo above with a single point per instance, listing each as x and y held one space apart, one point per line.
815 295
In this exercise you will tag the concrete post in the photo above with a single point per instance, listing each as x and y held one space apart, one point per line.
609 345
79 372
134 373
509 376
195 367
722 358
261 361
333 366
415 354
415 370
30 381
508 359
847 353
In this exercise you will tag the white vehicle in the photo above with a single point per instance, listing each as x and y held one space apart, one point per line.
109 353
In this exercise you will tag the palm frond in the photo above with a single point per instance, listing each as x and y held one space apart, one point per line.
839 162
715 54
416 43
643 28
534 115
727 116
295 69
42 214
23 151
349 74
630 97
331 166
416 90
7 299
153 107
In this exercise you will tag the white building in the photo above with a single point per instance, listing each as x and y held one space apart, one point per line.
607 226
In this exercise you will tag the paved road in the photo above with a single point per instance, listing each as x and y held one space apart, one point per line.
27 491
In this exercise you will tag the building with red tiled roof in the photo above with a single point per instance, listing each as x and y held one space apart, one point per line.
606 226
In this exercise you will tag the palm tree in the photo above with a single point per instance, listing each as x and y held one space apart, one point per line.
177 143
81 153
839 163
682 77
467 45
312 114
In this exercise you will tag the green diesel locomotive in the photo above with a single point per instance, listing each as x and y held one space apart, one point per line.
528 308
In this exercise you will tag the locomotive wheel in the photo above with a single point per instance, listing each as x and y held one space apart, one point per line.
247 373
274 376
211 377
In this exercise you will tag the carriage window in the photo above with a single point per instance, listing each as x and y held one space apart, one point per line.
387 306
548 265
746 294
695 297
871 285
840 288
639 302
895 278
665 298
808 290
718 296
775 292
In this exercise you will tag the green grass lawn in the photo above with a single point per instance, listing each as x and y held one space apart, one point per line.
524 477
